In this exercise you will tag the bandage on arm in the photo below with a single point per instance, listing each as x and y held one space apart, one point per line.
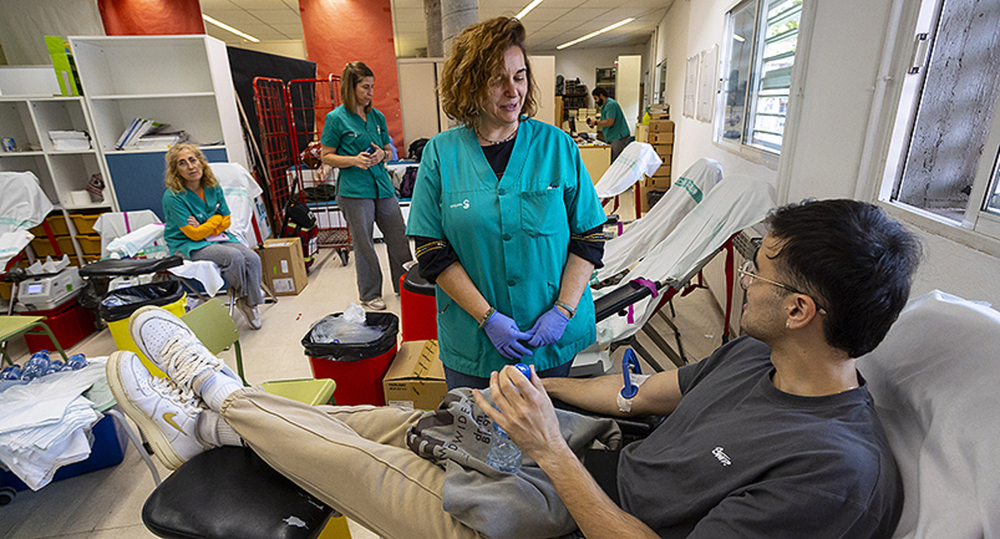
625 405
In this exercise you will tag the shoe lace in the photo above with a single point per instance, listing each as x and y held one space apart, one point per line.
187 400
185 359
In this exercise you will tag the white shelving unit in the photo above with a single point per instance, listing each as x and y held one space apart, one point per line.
183 81
28 121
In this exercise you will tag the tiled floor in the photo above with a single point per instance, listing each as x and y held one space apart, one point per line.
106 504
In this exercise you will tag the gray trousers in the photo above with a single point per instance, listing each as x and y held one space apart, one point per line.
239 265
619 145
361 214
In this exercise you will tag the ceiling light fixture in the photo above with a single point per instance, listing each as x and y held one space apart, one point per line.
739 38
595 34
228 28
527 9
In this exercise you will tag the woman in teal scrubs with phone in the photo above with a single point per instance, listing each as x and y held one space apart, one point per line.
505 217
356 140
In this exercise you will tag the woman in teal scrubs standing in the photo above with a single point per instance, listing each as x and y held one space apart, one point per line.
505 218
356 140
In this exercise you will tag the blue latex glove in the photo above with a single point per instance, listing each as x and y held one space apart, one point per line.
548 328
504 334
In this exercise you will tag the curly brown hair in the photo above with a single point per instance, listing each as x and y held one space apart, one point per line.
174 180
476 65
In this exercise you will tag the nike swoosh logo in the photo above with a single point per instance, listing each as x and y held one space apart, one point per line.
169 418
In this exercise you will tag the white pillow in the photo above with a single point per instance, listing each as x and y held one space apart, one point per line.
936 383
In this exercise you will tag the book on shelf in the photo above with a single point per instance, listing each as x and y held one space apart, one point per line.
138 128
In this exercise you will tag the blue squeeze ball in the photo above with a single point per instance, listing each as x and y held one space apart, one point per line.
525 370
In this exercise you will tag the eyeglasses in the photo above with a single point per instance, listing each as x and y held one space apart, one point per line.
747 277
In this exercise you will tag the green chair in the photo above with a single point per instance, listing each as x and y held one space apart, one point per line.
14 326
215 328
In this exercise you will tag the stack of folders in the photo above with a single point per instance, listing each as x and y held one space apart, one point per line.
69 141
146 134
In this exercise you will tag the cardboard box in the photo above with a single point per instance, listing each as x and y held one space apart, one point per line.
661 126
642 133
664 150
663 171
661 138
657 183
284 266
415 378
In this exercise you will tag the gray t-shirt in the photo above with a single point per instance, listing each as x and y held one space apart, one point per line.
739 458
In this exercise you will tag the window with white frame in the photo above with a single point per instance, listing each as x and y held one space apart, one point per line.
760 40
944 150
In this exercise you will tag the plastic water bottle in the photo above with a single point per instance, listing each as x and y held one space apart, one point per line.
36 366
11 373
504 455
55 366
75 362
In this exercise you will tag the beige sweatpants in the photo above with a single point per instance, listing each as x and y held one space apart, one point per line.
353 458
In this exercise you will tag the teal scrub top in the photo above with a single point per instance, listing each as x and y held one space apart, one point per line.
179 206
511 236
351 135
619 129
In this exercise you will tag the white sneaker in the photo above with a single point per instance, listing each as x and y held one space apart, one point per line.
165 413
252 314
374 304
171 345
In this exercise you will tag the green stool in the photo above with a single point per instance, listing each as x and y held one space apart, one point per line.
14 326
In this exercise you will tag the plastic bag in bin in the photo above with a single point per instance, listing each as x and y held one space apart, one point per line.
382 339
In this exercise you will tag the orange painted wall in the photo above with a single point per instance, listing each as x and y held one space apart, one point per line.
151 17
341 31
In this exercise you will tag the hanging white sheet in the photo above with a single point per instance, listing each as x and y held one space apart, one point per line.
239 188
734 204
636 159
643 234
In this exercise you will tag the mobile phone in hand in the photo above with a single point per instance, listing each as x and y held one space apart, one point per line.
370 150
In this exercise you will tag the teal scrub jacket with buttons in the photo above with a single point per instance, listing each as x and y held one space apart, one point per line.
511 236
177 207
351 135
619 129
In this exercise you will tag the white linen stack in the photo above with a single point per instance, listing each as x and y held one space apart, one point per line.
46 422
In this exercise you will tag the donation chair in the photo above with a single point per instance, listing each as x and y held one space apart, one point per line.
230 492
934 381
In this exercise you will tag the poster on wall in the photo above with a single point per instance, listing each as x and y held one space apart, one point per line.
706 83
691 86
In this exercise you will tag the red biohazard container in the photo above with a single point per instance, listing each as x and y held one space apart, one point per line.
70 323
357 368
418 307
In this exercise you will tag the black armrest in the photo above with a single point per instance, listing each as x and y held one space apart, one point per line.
620 298
229 492
633 428
129 266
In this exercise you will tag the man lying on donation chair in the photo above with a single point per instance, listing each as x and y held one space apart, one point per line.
773 435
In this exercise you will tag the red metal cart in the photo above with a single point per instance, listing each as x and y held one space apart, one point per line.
280 156
309 100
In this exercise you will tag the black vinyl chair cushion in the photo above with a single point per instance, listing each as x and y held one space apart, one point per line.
227 493
125 267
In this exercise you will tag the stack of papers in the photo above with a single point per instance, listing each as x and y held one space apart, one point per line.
69 141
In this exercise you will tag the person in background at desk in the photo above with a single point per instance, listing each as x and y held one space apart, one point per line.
505 218
197 219
612 122
356 140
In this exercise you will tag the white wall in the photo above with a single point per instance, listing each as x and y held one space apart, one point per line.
583 63
687 29
843 49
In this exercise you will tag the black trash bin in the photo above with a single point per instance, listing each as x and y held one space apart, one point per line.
357 368
118 305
